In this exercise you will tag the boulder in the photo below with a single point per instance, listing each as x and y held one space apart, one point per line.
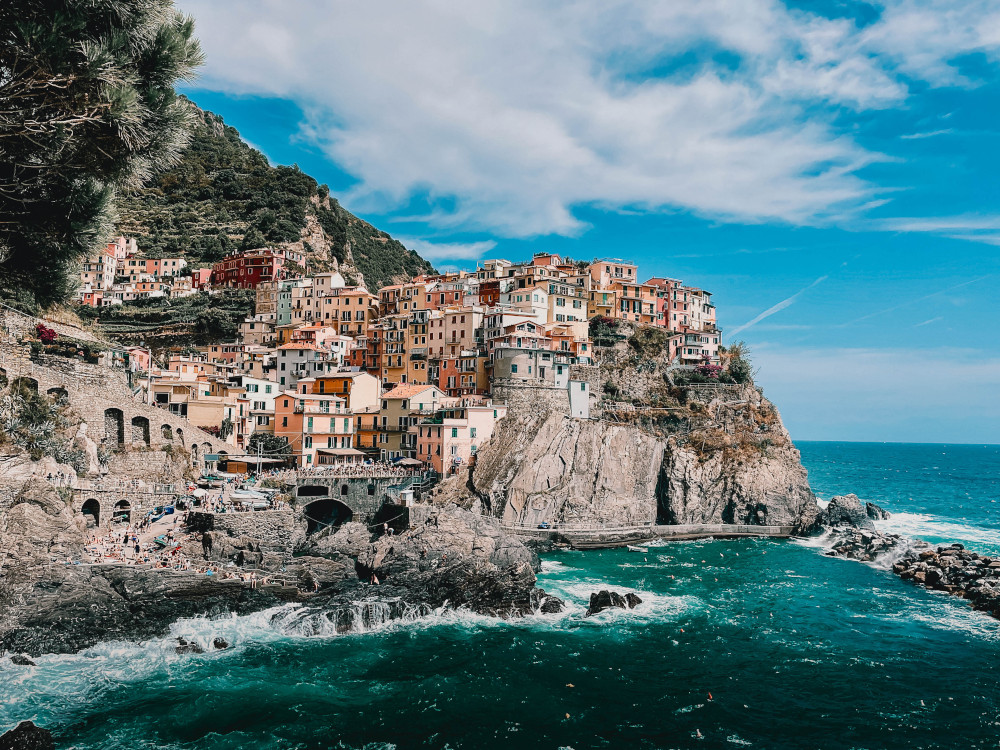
846 510
185 646
26 736
604 599
21 660
875 512
219 644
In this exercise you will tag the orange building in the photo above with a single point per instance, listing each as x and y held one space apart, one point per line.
315 425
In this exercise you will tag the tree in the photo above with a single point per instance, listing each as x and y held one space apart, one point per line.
738 363
89 112
270 445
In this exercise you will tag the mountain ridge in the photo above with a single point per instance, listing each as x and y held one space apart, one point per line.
225 196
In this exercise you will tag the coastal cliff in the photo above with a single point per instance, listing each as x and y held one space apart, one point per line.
712 454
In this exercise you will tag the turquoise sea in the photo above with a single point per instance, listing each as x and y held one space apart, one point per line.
756 644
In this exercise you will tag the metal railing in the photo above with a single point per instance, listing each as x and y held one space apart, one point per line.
656 530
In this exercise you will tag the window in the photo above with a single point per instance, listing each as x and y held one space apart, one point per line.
309 441
454 432
472 432
513 368
583 386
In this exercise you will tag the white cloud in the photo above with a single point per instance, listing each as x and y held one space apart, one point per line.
434 251
969 227
904 395
510 115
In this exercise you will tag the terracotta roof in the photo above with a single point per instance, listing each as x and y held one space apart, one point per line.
299 345
407 390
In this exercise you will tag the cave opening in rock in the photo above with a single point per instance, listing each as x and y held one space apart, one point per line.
325 514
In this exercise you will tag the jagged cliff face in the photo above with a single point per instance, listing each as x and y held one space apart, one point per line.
736 466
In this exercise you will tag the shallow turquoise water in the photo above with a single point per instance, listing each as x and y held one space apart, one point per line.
797 651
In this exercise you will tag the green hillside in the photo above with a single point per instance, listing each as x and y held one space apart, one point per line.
224 196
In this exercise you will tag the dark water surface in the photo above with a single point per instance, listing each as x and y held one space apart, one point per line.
797 651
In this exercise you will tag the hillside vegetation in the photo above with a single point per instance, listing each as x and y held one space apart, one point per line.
224 195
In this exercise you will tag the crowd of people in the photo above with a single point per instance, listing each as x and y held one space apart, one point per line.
373 469
135 544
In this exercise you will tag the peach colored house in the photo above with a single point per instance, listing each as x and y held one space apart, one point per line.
451 438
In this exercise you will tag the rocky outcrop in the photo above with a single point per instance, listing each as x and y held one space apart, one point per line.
847 511
951 569
26 736
866 545
957 571
542 465
49 603
603 600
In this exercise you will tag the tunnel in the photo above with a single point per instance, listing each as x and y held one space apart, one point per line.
91 510
326 513
123 512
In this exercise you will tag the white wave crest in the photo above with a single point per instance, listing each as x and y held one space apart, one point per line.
923 525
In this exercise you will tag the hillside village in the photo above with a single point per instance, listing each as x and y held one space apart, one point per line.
333 373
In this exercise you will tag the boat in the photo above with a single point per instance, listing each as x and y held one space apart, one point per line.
634 548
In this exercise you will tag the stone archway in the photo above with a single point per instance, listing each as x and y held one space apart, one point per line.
326 513
114 427
140 430
122 512
3 378
194 454
58 394
91 511
166 432
25 382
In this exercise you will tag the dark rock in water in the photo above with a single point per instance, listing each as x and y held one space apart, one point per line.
863 545
188 647
220 643
632 600
550 606
26 736
846 510
21 660
603 600
876 513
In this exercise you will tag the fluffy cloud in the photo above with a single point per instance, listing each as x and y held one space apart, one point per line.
507 116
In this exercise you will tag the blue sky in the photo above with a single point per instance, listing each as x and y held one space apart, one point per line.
827 169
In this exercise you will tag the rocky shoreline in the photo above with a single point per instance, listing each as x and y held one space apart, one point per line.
951 569
348 579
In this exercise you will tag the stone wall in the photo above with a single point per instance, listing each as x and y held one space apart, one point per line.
102 398
364 496
273 530
519 396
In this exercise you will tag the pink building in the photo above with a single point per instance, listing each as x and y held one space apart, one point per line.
450 439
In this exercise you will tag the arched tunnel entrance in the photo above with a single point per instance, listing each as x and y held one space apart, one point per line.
326 513
91 511
123 512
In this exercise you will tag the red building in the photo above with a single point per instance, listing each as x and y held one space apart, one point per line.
248 269
489 293
201 278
